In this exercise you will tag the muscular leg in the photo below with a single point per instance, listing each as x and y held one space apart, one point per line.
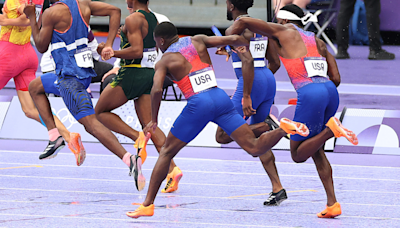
27 105
246 139
143 111
36 96
171 147
302 150
104 135
110 99
257 129
325 174
268 162
267 159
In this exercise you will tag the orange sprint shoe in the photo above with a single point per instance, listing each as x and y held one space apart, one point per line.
339 131
173 179
75 145
140 145
141 211
292 127
331 212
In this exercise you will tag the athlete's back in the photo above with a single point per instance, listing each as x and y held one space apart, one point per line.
62 14
187 55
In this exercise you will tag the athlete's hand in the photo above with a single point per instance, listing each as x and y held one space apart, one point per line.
151 127
241 49
107 53
247 107
222 51
110 72
100 47
30 11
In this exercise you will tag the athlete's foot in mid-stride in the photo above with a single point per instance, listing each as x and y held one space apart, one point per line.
339 131
274 123
75 145
140 145
141 211
135 170
173 179
276 198
331 212
52 148
292 127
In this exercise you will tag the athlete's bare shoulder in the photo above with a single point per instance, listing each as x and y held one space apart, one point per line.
174 64
58 15
169 57
135 16
198 38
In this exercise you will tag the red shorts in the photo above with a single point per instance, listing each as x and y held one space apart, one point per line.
19 62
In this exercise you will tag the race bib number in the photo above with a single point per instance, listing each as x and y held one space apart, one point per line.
38 10
316 66
83 58
149 57
203 79
258 47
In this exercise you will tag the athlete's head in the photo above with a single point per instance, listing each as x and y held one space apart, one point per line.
164 34
240 5
131 2
290 14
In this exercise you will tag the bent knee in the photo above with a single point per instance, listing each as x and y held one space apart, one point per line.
35 86
296 159
220 139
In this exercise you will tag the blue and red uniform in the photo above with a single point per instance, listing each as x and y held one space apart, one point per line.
205 101
317 96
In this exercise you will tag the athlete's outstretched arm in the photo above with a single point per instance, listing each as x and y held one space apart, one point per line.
19 21
43 36
220 41
258 26
104 9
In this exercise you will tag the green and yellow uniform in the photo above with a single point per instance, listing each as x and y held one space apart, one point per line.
136 75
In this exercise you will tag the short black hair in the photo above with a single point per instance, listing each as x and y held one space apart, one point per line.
143 1
242 5
296 10
166 30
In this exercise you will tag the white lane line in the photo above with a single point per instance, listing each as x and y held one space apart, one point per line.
210 210
212 160
139 221
167 196
208 172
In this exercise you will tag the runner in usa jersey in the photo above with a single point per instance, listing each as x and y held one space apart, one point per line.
188 63
314 75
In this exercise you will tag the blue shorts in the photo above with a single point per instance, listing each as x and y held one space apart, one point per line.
72 90
212 105
49 83
262 94
316 104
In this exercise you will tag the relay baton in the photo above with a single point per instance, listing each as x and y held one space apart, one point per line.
218 33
